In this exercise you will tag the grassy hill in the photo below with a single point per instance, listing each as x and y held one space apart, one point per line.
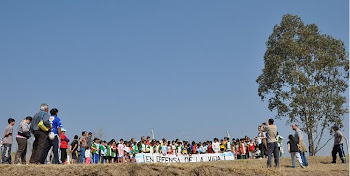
318 166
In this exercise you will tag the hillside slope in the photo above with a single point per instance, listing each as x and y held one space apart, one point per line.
318 166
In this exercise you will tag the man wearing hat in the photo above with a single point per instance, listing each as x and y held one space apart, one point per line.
338 145
64 145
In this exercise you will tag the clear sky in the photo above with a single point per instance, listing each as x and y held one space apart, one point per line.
186 69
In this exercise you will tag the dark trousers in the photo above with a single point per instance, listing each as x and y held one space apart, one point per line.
6 153
38 146
262 149
50 143
63 155
272 148
338 149
21 151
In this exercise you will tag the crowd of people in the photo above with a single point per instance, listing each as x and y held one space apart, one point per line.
51 145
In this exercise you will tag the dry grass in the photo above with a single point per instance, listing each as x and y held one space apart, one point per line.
318 166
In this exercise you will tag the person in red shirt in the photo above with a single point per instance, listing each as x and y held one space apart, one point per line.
210 147
251 148
194 147
64 145
148 141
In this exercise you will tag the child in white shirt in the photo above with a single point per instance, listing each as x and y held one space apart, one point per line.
88 155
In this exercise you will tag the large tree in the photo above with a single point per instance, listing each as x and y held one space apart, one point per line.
305 77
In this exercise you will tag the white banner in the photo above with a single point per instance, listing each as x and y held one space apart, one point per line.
159 158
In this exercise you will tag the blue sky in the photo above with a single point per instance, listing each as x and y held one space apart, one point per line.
186 69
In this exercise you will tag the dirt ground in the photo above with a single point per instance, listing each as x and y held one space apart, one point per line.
318 166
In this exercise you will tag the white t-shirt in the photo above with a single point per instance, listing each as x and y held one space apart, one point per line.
203 149
87 153
216 147
260 138
157 148
179 149
151 149
103 151
279 143
143 148
127 149
228 146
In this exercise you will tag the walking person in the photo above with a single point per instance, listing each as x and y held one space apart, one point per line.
40 134
294 151
7 141
21 138
272 144
338 145
298 136
55 124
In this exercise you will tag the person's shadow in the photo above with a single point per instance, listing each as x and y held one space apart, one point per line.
324 162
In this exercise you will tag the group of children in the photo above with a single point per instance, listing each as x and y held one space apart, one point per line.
124 151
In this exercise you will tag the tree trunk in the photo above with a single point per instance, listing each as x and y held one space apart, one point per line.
310 137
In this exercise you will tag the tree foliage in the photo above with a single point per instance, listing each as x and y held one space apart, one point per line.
305 77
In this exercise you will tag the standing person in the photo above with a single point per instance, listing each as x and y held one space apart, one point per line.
89 139
294 151
143 138
338 145
210 147
194 147
272 145
262 142
114 152
40 134
64 145
216 145
21 138
179 147
237 148
173 147
228 144
164 148
87 155
109 152
55 124
121 148
7 141
242 149
280 144
251 148
148 140
103 152
222 146
298 136
74 149
95 149
83 144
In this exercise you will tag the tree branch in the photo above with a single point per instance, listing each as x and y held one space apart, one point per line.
325 144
